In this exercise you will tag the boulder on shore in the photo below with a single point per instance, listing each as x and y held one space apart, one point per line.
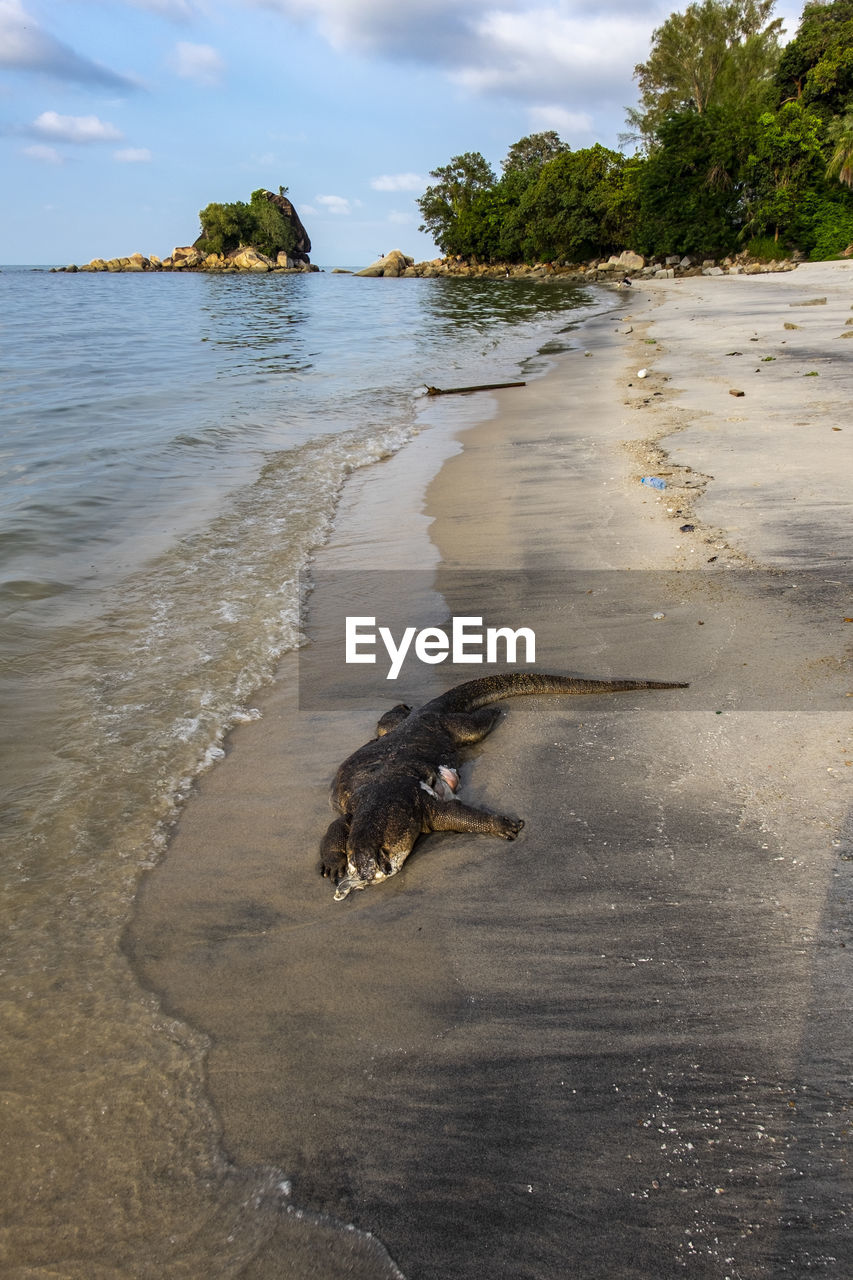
185 257
393 264
302 247
248 259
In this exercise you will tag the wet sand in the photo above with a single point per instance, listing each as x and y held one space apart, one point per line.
620 1046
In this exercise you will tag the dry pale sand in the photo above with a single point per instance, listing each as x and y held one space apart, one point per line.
619 1047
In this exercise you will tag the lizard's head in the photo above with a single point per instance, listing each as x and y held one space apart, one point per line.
381 837
367 860
365 865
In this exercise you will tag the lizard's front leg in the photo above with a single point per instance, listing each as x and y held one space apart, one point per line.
333 850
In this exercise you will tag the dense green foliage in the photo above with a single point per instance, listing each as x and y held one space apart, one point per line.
817 65
453 207
741 143
577 206
550 202
712 55
259 223
687 199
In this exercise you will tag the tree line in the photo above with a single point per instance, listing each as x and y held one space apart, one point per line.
739 143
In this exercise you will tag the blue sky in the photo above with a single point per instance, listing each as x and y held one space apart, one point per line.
120 119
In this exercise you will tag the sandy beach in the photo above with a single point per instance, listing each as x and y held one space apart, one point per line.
619 1047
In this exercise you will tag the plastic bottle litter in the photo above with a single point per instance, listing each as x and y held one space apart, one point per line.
654 482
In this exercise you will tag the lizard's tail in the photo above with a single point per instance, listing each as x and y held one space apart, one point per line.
479 693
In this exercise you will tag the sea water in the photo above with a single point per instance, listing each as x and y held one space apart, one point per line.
172 448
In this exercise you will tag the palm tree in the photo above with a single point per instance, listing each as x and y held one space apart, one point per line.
841 161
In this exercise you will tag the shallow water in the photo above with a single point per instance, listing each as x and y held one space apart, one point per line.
172 450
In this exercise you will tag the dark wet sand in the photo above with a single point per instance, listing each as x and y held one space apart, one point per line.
619 1047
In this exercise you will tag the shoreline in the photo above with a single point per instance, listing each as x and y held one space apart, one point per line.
503 1035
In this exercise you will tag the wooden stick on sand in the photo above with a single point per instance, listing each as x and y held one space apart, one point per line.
461 391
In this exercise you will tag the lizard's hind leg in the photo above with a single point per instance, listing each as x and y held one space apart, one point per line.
453 815
471 726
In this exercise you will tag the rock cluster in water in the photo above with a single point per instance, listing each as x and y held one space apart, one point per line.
189 258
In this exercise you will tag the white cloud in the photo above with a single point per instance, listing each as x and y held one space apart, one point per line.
400 219
26 46
578 55
551 51
198 62
567 123
427 30
399 182
465 34
132 155
76 129
46 155
334 204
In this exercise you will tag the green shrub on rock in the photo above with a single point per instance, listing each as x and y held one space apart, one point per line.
224 227
260 224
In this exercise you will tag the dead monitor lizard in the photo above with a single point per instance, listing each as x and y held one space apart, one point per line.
402 783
